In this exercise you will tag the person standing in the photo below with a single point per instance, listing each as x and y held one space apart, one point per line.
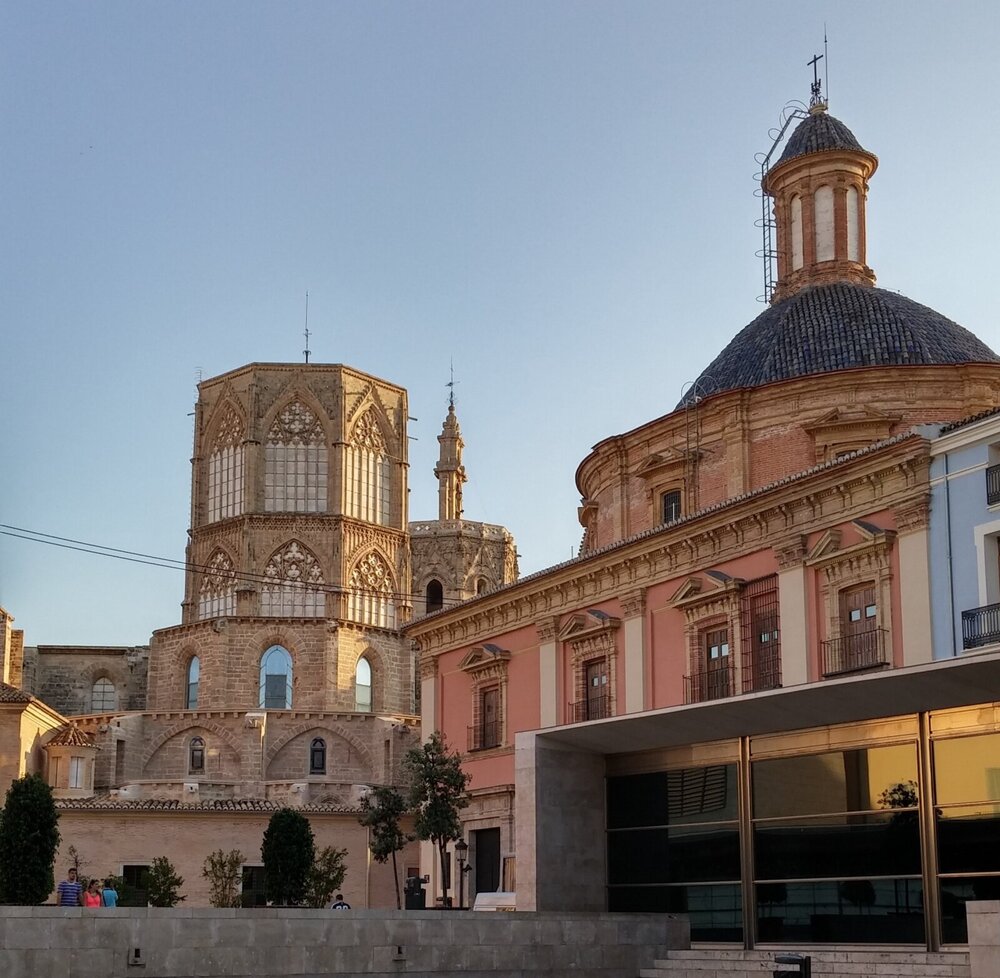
69 893
92 896
340 903
109 894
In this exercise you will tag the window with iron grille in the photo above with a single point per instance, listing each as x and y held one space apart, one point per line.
760 635
670 506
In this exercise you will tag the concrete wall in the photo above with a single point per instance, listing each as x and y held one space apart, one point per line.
76 943
984 938
559 813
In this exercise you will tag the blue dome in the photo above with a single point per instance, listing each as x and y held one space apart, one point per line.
833 327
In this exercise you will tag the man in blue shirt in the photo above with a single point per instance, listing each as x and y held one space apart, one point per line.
69 893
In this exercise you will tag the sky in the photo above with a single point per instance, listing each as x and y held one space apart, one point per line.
555 197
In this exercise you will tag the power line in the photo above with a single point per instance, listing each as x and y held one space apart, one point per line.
170 563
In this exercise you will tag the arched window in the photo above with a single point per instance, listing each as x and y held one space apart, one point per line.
225 469
295 586
193 677
853 224
369 472
823 216
317 756
435 596
217 593
796 232
481 586
371 600
363 686
196 756
295 463
103 697
276 679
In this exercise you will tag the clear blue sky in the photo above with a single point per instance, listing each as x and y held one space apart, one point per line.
556 195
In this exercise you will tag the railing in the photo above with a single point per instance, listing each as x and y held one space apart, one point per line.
594 708
853 653
484 736
710 684
993 485
981 626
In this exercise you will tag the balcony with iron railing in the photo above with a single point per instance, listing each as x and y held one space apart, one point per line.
762 670
715 683
981 626
593 708
485 735
993 485
855 653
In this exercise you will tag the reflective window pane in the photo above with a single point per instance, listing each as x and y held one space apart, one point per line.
858 911
679 797
955 893
967 769
969 839
681 855
715 912
839 781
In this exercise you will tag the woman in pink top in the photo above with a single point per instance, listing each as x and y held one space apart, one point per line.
92 898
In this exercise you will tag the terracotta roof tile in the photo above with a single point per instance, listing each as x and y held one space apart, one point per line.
11 694
70 735
100 803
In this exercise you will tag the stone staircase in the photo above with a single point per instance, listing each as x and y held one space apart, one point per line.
830 963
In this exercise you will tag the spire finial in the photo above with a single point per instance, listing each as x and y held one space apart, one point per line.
306 350
816 89
451 385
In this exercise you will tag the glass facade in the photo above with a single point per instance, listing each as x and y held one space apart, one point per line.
840 849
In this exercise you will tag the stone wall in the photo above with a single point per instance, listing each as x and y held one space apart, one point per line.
63 676
263 943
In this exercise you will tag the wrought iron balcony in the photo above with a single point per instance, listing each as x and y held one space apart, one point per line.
594 708
711 684
855 653
762 670
993 485
484 735
981 626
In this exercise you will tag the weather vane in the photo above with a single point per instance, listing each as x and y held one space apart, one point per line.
451 384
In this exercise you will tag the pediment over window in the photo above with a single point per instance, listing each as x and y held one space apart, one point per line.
828 543
847 429
590 623
484 657
664 465
705 587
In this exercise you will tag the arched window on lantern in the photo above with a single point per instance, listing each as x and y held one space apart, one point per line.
103 696
225 468
435 596
276 679
368 472
193 678
363 686
295 462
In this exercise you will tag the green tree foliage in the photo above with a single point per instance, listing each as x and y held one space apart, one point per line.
326 876
381 810
437 795
29 837
224 872
288 851
164 884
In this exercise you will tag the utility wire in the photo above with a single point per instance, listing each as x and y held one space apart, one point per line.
170 563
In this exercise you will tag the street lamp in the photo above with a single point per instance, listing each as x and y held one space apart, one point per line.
461 854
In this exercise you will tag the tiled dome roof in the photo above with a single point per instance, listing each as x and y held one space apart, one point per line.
817 132
839 326
70 735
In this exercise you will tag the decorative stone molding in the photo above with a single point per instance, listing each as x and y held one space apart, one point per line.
913 516
547 629
428 667
790 553
633 603
487 668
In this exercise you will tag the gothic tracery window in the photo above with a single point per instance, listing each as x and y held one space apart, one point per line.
371 599
225 469
294 586
217 593
369 472
295 462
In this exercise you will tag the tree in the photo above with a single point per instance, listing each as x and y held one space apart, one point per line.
437 795
326 876
164 883
381 810
288 851
29 837
224 872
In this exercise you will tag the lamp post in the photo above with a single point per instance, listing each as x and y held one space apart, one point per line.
461 854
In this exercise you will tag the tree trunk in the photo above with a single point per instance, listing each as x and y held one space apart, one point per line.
442 851
395 877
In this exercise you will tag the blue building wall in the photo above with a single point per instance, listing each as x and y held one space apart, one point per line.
958 508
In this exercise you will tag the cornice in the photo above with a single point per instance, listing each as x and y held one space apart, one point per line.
836 492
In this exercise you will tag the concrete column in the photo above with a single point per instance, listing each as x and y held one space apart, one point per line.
548 684
794 631
914 597
634 629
